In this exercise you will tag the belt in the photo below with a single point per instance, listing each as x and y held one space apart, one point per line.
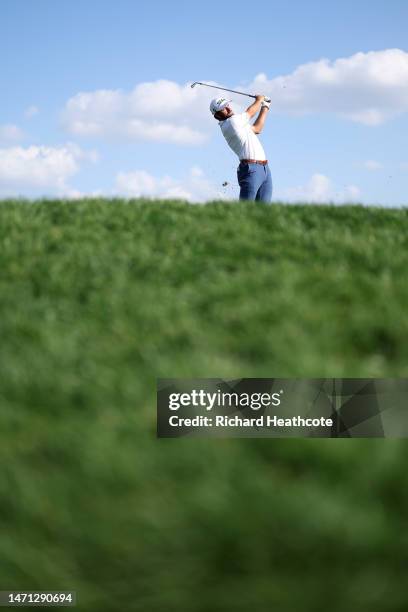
254 161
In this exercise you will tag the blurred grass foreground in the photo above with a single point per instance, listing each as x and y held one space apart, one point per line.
98 298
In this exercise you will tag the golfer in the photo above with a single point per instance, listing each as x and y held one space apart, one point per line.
254 176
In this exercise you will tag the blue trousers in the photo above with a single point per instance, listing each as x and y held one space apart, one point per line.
255 182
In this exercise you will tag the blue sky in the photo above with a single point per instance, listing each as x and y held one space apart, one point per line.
341 133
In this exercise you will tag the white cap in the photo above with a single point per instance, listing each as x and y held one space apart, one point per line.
218 104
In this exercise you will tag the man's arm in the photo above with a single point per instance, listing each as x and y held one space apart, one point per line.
254 108
258 125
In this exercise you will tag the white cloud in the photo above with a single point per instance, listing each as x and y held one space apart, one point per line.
162 111
195 187
372 165
76 194
367 88
31 111
10 133
36 169
320 189
351 193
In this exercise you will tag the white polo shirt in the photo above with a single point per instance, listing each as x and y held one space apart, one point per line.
243 141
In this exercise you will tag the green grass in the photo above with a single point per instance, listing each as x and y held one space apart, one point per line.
99 298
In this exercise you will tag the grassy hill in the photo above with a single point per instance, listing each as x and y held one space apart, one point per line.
99 298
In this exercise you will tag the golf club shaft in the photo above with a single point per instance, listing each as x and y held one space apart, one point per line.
242 93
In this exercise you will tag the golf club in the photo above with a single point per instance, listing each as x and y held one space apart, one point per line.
242 93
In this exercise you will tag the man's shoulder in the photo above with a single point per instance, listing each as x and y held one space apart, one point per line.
236 120
240 117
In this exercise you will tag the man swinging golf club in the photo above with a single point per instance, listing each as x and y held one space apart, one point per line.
254 175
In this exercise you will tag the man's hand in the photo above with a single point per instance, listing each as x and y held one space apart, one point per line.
265 104
255 107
